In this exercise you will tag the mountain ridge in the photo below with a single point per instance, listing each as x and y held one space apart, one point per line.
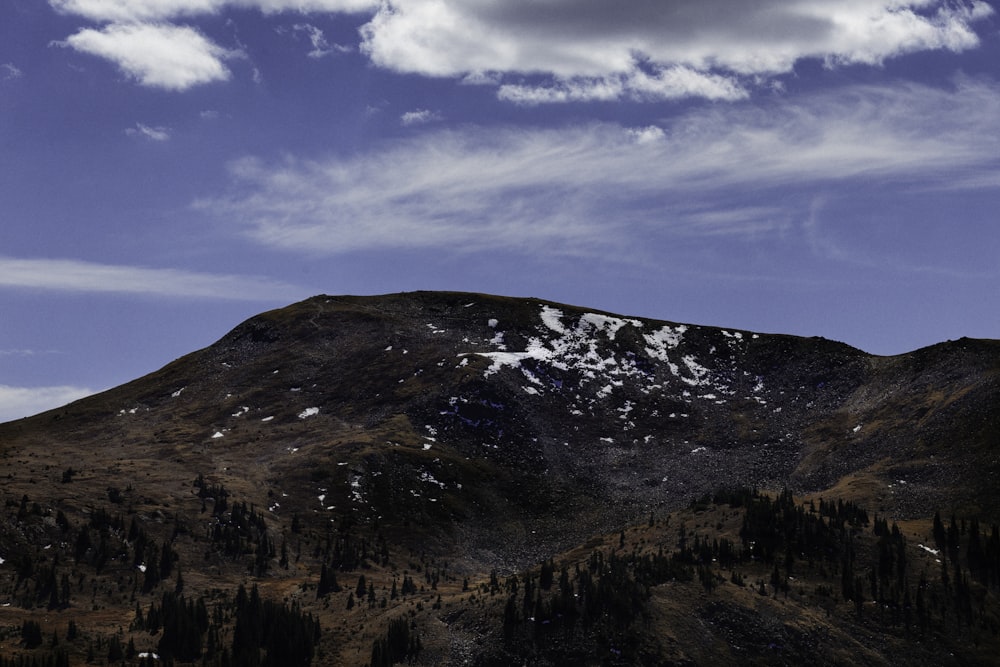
490 433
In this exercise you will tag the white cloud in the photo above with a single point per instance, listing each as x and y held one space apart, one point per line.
570 38
157 55
582 189
419 117
10 71
583 50
648 134
18 402
320 46
698 47
153 133
160 10
670 83
22 353
69 275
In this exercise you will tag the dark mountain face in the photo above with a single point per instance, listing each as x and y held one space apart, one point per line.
498 432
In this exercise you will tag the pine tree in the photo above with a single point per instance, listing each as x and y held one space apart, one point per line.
115 652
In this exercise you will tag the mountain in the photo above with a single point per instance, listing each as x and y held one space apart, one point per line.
355 480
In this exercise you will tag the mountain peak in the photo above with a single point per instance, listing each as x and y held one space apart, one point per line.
495 432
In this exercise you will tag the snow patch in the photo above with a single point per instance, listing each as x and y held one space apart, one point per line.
660 342
308 412
355 483
698 372
610 325
497 341
552 318
428 478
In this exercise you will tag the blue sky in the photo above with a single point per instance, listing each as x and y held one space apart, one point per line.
169 168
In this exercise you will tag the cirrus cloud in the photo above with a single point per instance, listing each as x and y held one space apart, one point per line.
18 402
10 71
572 189
133 11
147 132
69 275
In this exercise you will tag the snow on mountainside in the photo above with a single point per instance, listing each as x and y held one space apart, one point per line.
643 412
584 349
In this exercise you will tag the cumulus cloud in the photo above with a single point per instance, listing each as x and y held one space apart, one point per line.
572 189
69 275
695 48
587 50
152 133
419 117
18 402
157 55
570 38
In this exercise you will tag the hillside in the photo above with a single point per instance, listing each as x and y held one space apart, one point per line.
347 462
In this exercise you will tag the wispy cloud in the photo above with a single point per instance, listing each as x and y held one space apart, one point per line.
635 84
585 189
820 232
18 402
77 276
10 71
145 131
25 352
317 38
161 10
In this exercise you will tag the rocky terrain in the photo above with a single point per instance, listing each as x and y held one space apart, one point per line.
392 478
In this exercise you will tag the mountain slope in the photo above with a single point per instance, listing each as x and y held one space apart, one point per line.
400 433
